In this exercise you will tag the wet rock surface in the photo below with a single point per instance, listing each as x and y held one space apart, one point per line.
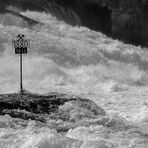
54 106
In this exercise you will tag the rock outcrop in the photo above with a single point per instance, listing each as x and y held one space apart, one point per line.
52 106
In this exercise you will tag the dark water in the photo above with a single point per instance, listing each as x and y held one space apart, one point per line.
129 27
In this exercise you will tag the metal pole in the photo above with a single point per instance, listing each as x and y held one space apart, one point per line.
21 69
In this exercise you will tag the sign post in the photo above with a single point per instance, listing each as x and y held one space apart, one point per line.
21 72
21 45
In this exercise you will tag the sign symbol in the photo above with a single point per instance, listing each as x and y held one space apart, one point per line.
21 45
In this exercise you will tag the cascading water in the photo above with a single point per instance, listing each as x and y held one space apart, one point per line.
123 20
75 60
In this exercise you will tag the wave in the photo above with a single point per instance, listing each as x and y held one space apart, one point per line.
126 21
87 13
86 134
71 58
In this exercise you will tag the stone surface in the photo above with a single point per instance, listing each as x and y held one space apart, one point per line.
38 107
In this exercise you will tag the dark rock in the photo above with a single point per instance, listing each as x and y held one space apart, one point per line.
38 107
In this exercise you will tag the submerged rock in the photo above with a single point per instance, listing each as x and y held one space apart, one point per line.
54 106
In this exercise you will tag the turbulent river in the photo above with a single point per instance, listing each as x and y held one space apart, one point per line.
79 61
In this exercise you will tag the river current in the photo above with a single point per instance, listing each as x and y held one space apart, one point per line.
79 61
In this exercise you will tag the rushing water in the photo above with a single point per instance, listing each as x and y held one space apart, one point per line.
78 61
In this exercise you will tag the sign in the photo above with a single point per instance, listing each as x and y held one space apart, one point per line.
21 45
20 50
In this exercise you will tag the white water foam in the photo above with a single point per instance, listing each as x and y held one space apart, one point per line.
80 61
70 58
